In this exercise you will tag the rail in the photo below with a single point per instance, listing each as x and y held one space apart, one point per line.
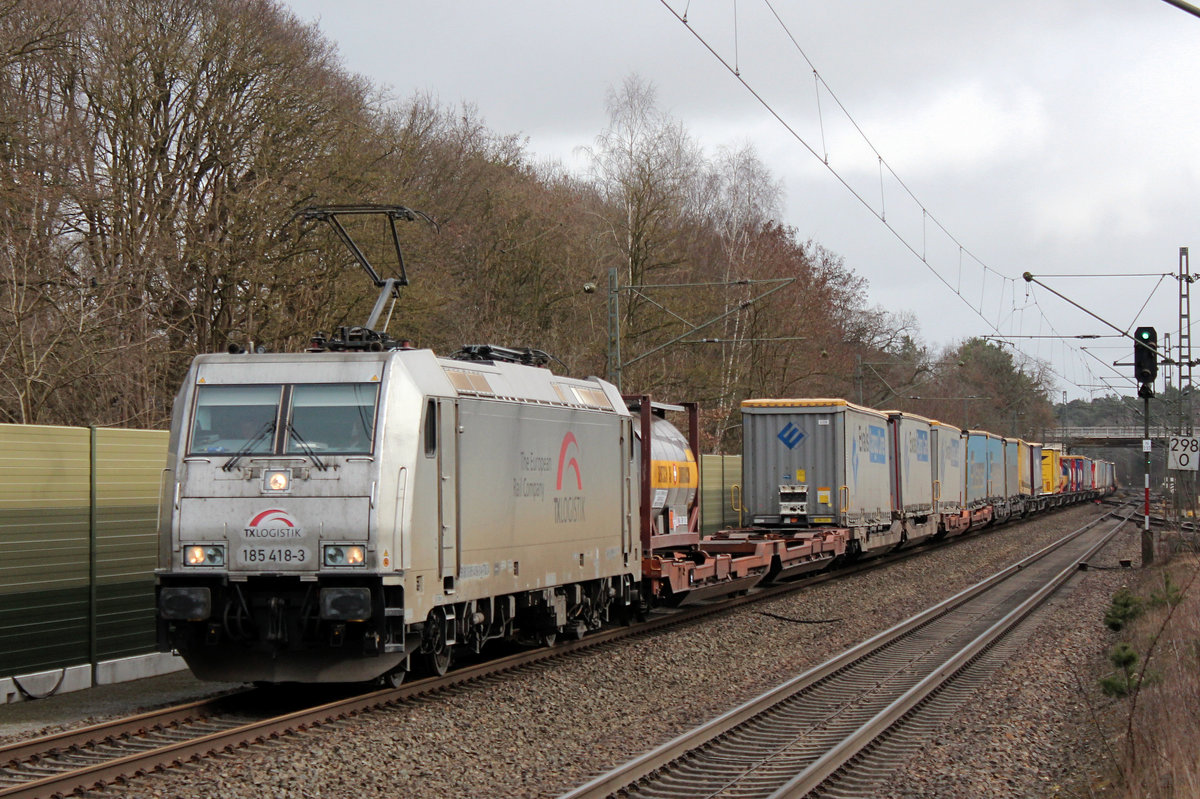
49 766
769 746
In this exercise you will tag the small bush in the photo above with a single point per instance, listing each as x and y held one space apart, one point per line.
1123 681
1126 680
1126 606
1170 594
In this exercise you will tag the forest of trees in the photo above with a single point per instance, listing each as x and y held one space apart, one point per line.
154 156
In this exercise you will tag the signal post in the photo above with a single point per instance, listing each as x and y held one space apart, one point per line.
1145 369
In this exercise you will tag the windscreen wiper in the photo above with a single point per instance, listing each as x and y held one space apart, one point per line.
308 450
249 446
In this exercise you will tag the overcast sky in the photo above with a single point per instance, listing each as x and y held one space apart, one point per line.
1057 137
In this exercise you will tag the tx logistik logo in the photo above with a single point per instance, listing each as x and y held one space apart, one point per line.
567 460
569 509
791 435
272 523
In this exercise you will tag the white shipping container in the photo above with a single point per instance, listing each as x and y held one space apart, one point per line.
833 450
912 466
976 477
949 463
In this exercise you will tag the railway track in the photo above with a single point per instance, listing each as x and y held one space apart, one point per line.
104 754
111 752
839 729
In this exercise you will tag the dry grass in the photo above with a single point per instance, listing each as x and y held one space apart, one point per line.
1159 739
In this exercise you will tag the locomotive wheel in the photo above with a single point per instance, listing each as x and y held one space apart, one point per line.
394 678
435 651
438 661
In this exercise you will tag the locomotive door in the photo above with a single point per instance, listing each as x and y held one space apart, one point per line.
447 413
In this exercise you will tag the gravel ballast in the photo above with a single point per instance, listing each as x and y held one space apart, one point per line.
541 733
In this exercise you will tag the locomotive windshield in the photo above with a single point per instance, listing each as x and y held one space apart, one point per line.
233 418
336 418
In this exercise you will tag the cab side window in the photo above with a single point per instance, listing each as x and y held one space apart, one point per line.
431 428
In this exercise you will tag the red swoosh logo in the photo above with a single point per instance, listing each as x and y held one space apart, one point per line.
564 462
274 514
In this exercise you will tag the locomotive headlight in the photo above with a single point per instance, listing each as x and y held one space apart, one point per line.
345 555
204 555
277 480
190 603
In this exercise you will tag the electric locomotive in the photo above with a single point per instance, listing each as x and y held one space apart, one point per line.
327 516
364 508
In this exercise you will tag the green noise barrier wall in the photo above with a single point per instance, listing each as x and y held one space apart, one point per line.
720 483
78 509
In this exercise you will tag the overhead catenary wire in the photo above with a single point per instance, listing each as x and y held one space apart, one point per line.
792 132
1153 291
995 321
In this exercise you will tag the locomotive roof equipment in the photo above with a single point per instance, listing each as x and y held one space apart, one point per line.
366 337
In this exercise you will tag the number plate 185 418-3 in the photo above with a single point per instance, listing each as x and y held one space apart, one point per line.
274 557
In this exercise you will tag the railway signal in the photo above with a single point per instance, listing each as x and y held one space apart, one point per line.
1145 359
1145 369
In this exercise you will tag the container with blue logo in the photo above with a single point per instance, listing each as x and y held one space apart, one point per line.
976 482
912 467
815 463
1012 469
949 467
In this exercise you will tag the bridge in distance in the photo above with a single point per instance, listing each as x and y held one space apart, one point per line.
1130 436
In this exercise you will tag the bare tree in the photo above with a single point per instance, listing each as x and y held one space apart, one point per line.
644 166
741 199
43 306
209 124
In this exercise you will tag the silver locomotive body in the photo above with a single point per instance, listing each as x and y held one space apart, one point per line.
331 516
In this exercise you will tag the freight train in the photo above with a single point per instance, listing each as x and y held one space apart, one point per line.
364 509
344 516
